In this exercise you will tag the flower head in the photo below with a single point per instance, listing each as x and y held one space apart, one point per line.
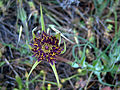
45 47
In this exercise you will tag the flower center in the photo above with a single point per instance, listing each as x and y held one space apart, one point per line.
46 47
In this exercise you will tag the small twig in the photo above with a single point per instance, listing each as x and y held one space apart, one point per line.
54 29
11 52
11 67
79 13
18 67
6 24
8 31
91 85
97 19
67 30
69 79
58 58
10 77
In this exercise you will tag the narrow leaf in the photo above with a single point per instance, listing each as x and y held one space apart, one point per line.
42 20
19 81
64 48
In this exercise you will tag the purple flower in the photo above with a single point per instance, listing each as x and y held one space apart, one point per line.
45 47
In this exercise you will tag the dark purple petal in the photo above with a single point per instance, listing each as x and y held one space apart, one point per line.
38 34
53 47
33 55
44 34
51 62
32 45
39 60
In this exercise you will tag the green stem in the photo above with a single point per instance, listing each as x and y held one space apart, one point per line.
88 80
71 77
56 75
115 14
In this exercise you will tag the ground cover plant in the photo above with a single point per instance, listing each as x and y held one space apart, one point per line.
59 44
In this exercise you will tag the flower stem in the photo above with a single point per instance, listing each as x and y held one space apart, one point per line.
56 75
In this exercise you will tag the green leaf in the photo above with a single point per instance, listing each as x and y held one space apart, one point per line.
42 19
19 81
75 65
2 63
105 59
58 36
15 89
82 61
64 48
33 67
100 1
31 4
29 46
53 20
22 14
33 34
100 80
83 58
110 26
1 4
97 65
